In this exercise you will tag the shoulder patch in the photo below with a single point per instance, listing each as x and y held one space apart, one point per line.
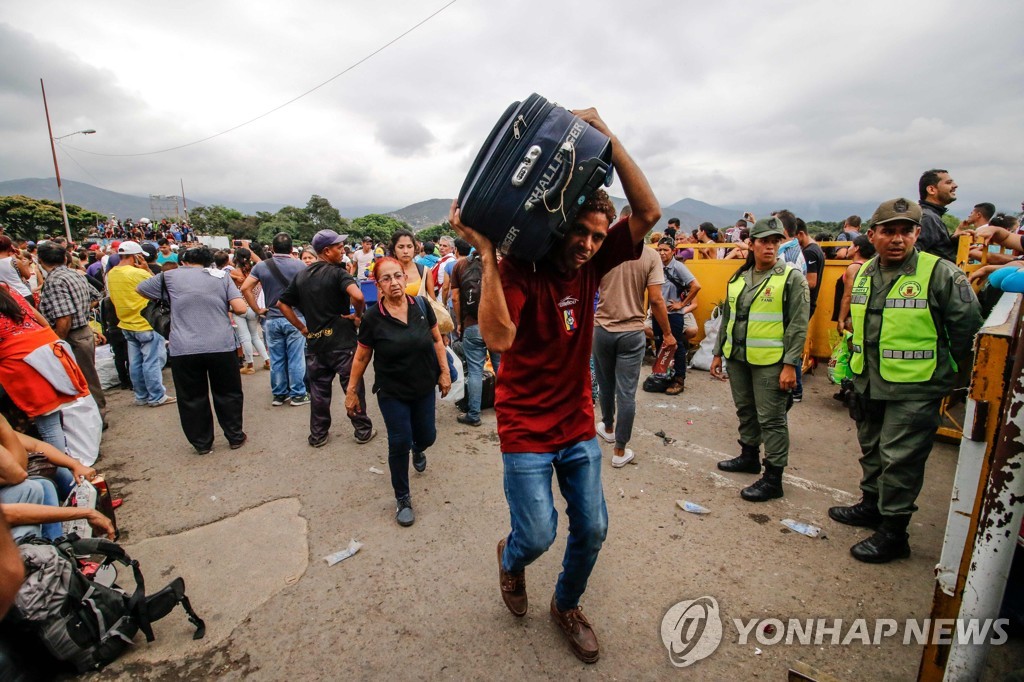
961 280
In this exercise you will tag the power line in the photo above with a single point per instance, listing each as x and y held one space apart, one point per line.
66 153
280 106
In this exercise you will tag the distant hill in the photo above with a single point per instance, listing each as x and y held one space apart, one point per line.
691 212
84 195
424 213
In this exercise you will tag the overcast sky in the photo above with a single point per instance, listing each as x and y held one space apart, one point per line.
727 102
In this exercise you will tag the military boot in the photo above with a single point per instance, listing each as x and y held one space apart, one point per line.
768 487
889 542
749 461
865 513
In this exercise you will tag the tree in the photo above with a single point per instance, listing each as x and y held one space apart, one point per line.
214 219
951 222
376 226
434 232
27 218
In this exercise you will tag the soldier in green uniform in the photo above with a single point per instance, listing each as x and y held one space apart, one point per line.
914 320
764 327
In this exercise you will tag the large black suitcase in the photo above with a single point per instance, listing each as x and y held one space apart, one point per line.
486 395
538 165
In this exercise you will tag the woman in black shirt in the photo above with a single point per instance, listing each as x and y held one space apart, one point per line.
400 334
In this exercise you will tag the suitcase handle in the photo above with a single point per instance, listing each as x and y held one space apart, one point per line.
558 184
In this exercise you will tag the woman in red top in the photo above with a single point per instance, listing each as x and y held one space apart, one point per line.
22 331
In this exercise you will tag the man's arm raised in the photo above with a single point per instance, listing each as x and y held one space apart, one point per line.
646 211
492 315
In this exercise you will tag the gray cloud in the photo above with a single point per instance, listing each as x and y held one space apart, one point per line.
728 103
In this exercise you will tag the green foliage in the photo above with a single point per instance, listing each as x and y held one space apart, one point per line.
378 227
818 226
433 232
27 218
951 222
213 219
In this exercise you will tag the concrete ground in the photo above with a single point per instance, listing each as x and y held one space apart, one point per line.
248 529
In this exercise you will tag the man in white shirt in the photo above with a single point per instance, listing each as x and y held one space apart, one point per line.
363 259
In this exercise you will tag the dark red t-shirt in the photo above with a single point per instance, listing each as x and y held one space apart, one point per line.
543 397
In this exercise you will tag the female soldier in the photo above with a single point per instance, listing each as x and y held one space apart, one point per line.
400 334
764 327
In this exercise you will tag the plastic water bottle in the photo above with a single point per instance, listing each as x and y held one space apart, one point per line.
802 528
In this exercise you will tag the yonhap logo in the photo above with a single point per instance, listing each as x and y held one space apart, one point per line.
691 631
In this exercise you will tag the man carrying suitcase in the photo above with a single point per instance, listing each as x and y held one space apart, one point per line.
540 316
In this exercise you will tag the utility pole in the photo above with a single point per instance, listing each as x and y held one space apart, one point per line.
56 168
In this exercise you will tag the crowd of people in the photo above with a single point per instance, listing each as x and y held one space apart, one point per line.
607 296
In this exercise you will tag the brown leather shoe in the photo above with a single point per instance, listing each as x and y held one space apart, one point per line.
578 632
513 586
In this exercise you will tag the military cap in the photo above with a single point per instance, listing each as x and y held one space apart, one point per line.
896 209
767 227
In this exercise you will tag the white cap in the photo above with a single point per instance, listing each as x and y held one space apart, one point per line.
130 249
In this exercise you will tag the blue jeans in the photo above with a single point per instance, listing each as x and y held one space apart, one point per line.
287 348
147 354
32 491
51 430
535 520
410 425
476 355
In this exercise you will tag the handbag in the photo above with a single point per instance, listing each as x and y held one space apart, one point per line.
444 320
40 467
158 312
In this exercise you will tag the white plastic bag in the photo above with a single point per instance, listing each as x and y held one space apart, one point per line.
458 388
85 497
706 353
83 429
105 367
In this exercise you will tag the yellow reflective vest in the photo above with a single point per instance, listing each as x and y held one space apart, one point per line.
765 322
908 341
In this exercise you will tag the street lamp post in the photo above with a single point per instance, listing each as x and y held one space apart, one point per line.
56 168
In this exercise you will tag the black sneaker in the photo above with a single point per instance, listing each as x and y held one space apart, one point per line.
279 400
464 419
403 513
301 400
319 443
419 461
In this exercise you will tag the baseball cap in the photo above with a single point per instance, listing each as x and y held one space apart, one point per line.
129 249
368 238
896 209
325 238
150 250
766 227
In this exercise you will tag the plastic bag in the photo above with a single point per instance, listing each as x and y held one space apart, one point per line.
706 353
83 429
105 367
839 363
458 388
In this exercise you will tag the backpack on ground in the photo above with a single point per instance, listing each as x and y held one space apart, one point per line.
471 273
81 621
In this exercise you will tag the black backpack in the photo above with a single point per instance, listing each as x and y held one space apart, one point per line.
471 273
82 622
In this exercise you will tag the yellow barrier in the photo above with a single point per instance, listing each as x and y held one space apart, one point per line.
714 276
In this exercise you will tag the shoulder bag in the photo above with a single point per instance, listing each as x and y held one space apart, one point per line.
158 312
